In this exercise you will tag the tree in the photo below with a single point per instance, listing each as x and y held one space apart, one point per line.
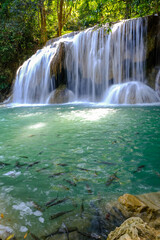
64 9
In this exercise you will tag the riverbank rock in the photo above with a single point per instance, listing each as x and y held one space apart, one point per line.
145 207
61 95
133 228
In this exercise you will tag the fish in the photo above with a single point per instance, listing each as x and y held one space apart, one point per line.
34 236
139 169
71 182
89 189
57 174
56 215
57 202
111 179
82 208
62 164
40 152
83 169
107 163
32 164
157 173
19 165
3 164
32 135
23 156
37 206
41 169
51 201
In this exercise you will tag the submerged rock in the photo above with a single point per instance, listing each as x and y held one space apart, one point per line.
5 232
61 95
133 228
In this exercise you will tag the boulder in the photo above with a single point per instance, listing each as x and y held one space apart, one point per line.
146 206
132 203
57 66
61 95
133 228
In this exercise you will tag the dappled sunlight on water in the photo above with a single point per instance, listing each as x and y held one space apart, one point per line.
88 115
71 153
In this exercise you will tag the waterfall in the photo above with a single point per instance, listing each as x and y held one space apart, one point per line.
95 59
33 82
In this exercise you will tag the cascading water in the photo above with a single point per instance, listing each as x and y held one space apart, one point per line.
33 83
94 60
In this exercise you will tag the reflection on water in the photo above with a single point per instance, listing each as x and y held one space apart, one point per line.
65 162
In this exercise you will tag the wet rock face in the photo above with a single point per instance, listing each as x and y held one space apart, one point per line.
153 49
133 229
57 67
145 207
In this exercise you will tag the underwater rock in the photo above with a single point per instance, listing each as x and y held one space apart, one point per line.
133 229
61 95
5 232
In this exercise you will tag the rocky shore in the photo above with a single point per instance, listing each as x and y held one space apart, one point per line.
142 215
130 218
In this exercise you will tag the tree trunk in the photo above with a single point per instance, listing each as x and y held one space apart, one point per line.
128 9
43 22
60 16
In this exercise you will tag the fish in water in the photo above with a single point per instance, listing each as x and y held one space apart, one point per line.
83 169
57 202
3 164
57 174
89 189
112 178
51 201
34 236
23 156
41 169
157 173
71 182
37 206
32 164
56 215
19 165
32 135
62 164
40 152
139 168
82 208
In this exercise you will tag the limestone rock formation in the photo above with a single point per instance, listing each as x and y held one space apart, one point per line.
146 207
57 67
61 95
133 228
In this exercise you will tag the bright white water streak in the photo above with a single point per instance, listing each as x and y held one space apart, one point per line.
95 59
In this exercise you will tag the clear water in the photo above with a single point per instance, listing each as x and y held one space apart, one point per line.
84 137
